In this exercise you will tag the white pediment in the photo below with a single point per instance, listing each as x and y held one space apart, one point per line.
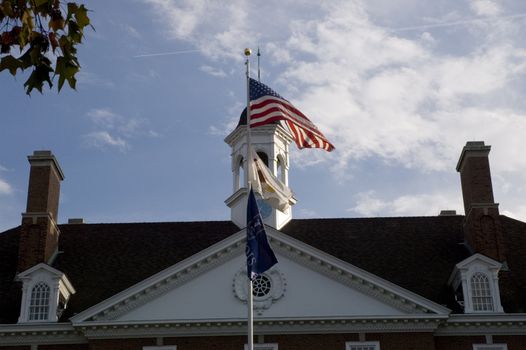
307 293
314 285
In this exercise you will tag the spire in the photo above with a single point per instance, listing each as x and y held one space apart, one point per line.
271 142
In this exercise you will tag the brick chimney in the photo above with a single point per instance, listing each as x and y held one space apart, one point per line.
39 232
482 227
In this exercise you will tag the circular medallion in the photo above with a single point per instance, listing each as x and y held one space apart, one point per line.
264 208
267 288
261 286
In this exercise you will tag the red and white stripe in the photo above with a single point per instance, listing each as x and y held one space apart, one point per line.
268 109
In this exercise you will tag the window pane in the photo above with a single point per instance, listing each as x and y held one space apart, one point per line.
39 304
481 293
490 347
363 345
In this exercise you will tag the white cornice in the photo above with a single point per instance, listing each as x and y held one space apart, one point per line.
439 325
46 215
240 193
41 333
460 324
381 324
239 132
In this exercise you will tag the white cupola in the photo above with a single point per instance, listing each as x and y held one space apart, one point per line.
271 142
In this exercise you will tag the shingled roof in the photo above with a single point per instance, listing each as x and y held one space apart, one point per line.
417 253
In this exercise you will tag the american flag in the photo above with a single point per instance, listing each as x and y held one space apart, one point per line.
266 106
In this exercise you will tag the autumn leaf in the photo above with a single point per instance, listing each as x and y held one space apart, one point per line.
11 64
39 28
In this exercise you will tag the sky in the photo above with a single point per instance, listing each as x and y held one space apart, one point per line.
397 86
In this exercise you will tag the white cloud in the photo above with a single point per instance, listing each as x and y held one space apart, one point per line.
131 30
5 188
485 7
411 96
113 130
154 134
190 20
369 204
372 91
519 212
307 213
216 72
87 78
231 122
103 140
104 117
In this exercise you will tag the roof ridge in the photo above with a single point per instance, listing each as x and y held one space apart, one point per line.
146 223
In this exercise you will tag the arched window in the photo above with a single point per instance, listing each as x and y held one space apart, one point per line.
240 180
39 304
280 170
481 293
263 156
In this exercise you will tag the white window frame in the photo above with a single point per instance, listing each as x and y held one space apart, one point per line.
490 346
39 302
263 346
58 284
481 292
464 272
350 344
160 347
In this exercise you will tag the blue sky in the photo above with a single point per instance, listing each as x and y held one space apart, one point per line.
397 86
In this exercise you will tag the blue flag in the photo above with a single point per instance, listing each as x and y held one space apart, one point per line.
260 256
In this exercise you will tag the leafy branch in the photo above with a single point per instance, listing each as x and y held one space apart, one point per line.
37 28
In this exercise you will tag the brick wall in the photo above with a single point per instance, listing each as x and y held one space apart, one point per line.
476 182
404 341
64 347
483 232
458 343
388 341
43 190
38 242
311 341
205 343
120 344
515 342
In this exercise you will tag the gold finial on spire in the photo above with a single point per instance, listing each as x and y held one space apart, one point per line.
248 52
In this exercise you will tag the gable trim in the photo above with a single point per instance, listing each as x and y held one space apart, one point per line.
164 281
25 275
215 255
352 276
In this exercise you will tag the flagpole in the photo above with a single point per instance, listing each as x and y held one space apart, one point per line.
250 301
259 76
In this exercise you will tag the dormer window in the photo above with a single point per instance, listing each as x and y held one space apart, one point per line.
481 292
45 294
39 304
476 284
